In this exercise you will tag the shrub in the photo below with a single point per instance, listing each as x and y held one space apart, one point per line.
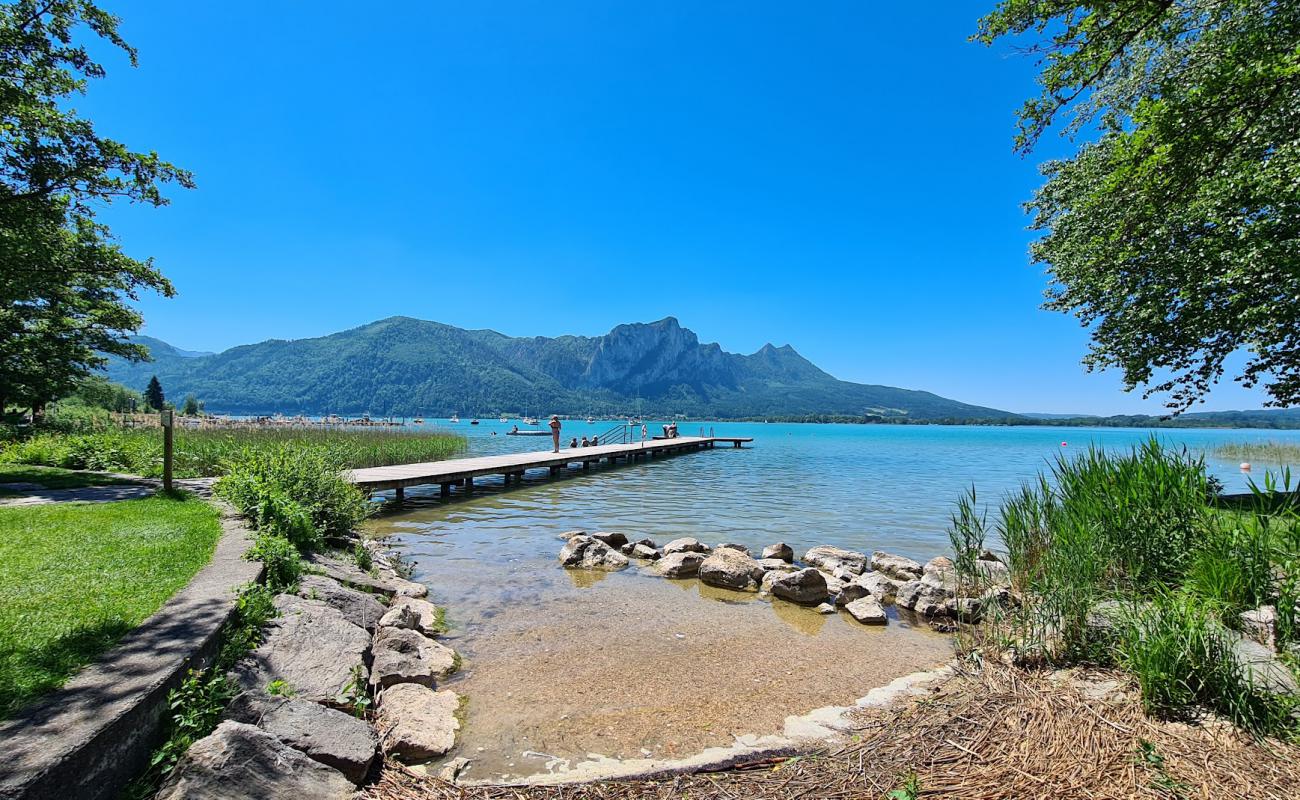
296 493
282 560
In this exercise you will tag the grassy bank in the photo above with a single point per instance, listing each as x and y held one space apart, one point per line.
209 452
1122 560
1260 452
75 577
54 477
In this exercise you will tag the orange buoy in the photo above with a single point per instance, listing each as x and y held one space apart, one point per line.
1245 466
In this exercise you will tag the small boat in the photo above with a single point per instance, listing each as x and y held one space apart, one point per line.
530 421
418 421
591 421
473 422
528 433
454 418
505 419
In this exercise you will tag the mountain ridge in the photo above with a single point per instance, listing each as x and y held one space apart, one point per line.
407 366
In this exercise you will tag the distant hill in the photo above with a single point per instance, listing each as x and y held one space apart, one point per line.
405 367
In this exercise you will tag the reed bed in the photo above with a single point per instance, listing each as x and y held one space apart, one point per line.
998 733
206 452
1280 453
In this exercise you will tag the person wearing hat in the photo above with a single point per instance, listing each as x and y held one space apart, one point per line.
555 432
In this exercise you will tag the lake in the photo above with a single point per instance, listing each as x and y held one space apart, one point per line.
560 665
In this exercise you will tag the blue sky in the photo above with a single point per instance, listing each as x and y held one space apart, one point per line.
836 175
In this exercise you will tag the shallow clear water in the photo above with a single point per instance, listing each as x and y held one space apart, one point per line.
561 664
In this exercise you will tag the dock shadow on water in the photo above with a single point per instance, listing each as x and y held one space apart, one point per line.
562 665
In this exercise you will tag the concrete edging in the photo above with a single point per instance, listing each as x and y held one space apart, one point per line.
91 737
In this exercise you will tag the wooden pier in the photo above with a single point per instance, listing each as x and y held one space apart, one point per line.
462 471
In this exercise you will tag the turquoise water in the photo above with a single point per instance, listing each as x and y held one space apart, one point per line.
859 486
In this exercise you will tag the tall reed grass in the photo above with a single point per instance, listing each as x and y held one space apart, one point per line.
209 452
1282 453
1122 558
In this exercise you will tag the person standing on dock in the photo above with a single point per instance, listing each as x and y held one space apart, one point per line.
555 432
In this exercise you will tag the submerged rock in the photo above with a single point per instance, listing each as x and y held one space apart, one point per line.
311 647
867 611
405 656
829 559
779 550
238 761
567 535
685 545
897 567
584 552
678 565
825 608
417 723
731 569
806 586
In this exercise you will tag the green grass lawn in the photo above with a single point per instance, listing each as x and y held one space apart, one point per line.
75 577
54 477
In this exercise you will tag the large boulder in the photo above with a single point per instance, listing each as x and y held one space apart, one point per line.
685 545
867 611
828 559
327 735
357 607
879 586
992 573
806 586
896 567
584 552
612 538
238 761
417 723
678 565
402 655
731 569
411 612
940 573
779 550
924 599
642 552
311 648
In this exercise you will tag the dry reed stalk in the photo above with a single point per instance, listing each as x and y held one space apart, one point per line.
1002 733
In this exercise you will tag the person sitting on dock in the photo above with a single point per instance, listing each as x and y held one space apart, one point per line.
585 443
573 442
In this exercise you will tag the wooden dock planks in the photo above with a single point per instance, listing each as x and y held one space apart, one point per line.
460 470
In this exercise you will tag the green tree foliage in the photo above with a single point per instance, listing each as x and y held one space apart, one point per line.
190 407
153 394
1175 235
64 281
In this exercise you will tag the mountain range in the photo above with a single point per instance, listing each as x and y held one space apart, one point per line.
406 367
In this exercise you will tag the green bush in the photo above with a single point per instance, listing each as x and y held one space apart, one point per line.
296 493
281 558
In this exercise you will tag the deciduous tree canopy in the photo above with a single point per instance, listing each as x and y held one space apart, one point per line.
64 283
1175 233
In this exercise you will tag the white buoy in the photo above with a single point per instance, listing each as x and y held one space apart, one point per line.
1245 466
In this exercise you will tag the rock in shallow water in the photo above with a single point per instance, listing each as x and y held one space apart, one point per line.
584 552
417 723
239 761
779 550
611 538
806 586
731 569
867 611
685 545
879 586
411 612
896 567
678 565
405 656
828 559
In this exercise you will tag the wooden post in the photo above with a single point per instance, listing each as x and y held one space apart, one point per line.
445 490
399 494
469 486
167 419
